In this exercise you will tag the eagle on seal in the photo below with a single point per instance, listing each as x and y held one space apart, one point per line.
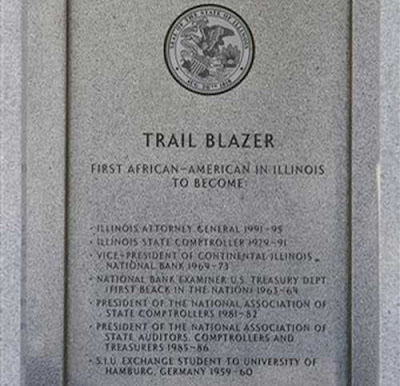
211 37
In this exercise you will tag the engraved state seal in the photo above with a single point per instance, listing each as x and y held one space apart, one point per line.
209 49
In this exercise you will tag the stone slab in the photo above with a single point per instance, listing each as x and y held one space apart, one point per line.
45 137
295 215
11 192
38 134
389 193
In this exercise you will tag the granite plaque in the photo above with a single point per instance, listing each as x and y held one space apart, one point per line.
208 193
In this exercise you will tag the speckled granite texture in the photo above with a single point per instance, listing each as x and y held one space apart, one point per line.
11 192
298 89
389 205
32 191
45 138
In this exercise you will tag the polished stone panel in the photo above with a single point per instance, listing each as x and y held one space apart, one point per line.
208 235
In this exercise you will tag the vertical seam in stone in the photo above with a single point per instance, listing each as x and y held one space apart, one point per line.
66 199
350 202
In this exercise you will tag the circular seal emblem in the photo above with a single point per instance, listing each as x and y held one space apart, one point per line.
209 49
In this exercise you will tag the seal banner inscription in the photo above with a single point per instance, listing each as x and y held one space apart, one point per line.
209 49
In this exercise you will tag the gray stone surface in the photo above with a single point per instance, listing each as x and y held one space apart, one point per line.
43 343
390 194
376 256
11 192
365 210
35 215
298 90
